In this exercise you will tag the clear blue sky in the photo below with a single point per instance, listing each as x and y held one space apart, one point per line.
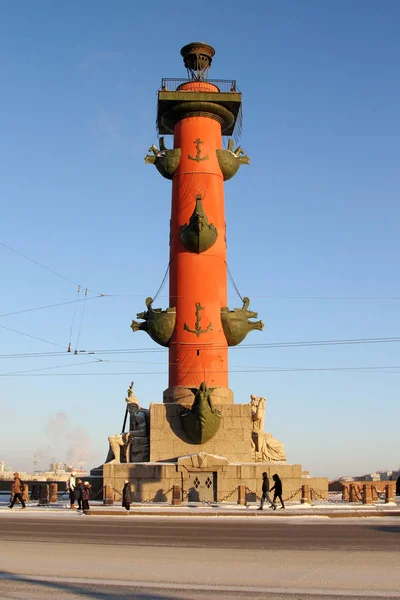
317 214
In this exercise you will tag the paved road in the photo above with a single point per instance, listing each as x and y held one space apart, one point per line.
374 534
171 558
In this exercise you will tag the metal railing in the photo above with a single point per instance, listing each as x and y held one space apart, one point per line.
224 85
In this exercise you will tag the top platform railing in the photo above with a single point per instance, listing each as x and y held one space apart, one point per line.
224 85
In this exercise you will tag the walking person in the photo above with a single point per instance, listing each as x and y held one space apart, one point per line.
126 495
17 491
277 490
85 495
265 492
78 493
71 485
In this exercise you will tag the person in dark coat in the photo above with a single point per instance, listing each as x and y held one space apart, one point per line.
126 495
17 491
277 490
85 495
398 486
78 493
265 492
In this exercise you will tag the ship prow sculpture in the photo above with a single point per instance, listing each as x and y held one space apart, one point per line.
198 441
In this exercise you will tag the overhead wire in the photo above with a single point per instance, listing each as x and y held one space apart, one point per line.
26 310
47 268
80 326
374 369
295 344
31 336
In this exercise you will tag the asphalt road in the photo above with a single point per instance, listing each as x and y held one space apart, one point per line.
172 558
362 534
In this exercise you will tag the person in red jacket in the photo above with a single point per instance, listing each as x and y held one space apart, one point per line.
17 491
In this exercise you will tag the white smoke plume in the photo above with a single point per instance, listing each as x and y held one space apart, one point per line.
65 443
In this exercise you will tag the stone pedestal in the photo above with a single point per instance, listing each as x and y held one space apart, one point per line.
203 476
168 441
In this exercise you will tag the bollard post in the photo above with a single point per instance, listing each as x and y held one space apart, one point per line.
353 493
108 497
389 492
305 494
242 495
176 495
25 493
367 493
53 492
345 492
43 494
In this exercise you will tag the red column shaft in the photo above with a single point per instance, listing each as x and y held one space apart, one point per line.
198 277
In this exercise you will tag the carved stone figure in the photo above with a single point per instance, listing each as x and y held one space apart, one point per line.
236 324
267 448
158 323
166 161
116 443
198 235
201 422
138 449
230 160
134 445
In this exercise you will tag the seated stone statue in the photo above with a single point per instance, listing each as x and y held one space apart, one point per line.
134 445
267 448
116 443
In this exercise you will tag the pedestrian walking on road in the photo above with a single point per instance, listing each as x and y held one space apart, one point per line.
17 491
265 492
277 490
126 495
85 495
398 486
71 485
78 493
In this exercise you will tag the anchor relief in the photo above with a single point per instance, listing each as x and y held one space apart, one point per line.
198 156
236 325
198 330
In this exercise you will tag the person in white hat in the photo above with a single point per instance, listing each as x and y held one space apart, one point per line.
85 495
71 485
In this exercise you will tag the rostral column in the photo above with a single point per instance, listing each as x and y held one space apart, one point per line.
198 327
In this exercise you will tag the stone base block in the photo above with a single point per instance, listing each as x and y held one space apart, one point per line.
168 441
205 477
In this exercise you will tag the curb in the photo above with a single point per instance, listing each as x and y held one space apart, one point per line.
333 515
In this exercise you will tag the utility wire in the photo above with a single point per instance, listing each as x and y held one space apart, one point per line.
26 310
80 326
377 369
31 336
46 268
87 362
296 344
